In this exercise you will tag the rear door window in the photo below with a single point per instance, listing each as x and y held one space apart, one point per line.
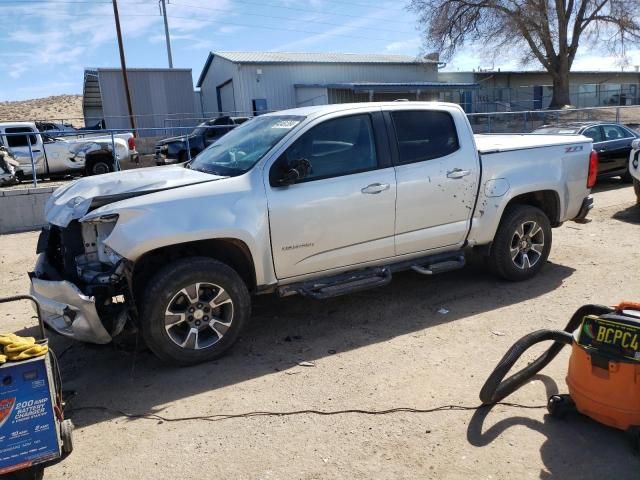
19 140
424 135
614 132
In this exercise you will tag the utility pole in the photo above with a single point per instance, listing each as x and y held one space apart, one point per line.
123 65
166 32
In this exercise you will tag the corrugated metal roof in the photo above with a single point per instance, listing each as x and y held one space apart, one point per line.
114 69
298 57
318 58
390 86
544 72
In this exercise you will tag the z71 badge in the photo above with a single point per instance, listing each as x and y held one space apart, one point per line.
576 148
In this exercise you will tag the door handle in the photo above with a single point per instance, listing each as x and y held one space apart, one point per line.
458 173
375 188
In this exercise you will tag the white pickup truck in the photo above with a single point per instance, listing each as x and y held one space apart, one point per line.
85 154
318 201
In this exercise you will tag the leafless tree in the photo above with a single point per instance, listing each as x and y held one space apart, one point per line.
549 31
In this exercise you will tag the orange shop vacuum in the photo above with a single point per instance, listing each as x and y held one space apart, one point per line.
604 368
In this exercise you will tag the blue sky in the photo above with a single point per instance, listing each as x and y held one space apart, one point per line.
46 44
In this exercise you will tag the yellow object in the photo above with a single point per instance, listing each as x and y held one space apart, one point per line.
15 348
9 338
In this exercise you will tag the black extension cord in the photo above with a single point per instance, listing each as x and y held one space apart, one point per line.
218 417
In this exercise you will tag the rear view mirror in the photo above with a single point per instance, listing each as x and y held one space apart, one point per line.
294 171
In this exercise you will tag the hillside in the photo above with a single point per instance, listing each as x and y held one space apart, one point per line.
67 108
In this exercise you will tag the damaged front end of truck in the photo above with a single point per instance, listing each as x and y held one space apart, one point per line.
84 287
81 284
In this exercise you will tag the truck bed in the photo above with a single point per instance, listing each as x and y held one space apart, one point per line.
493 143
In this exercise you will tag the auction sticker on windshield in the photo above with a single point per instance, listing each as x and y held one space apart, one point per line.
285 124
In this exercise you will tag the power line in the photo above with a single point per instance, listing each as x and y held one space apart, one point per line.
223 22
92 2
235 24
296 30
246 2
304 10
286 18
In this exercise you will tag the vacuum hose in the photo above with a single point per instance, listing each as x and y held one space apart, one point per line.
497 388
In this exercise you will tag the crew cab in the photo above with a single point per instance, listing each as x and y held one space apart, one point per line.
179 149
317 201
54 154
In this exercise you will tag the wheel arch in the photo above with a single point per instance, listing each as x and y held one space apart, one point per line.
233 252
546 200
94 157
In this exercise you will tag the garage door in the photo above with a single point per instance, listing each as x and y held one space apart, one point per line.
226 101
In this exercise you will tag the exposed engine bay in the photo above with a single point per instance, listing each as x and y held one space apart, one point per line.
90 271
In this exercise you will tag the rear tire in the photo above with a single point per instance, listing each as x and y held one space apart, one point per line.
522 243
193 310
100 166
636 188
626 177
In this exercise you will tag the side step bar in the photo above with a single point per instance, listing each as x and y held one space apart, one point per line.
440 267
366 278
339 284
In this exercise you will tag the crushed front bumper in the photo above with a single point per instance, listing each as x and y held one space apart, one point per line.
66 309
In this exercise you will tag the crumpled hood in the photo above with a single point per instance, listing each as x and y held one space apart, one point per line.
74 200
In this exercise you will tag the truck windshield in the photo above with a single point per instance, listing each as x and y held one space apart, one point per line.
240 149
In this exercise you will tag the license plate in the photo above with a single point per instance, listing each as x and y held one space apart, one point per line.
616 338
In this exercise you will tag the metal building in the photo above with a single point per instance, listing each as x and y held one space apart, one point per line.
161 98
533 89
253 82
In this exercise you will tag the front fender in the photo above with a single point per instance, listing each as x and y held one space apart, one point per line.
237 210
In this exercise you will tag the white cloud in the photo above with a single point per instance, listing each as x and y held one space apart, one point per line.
17 69
475 56
344 30
410 46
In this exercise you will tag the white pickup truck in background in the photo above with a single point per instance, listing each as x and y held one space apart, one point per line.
84 154
318 201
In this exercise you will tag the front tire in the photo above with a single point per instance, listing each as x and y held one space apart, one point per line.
636 189
522 244
194 310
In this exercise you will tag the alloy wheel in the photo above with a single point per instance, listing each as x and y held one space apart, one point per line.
198 316
527 245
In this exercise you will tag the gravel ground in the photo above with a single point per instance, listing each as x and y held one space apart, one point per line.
384 348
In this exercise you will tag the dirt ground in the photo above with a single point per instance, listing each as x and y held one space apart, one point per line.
385 348
67 108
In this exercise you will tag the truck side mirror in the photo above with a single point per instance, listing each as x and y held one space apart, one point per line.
294 171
